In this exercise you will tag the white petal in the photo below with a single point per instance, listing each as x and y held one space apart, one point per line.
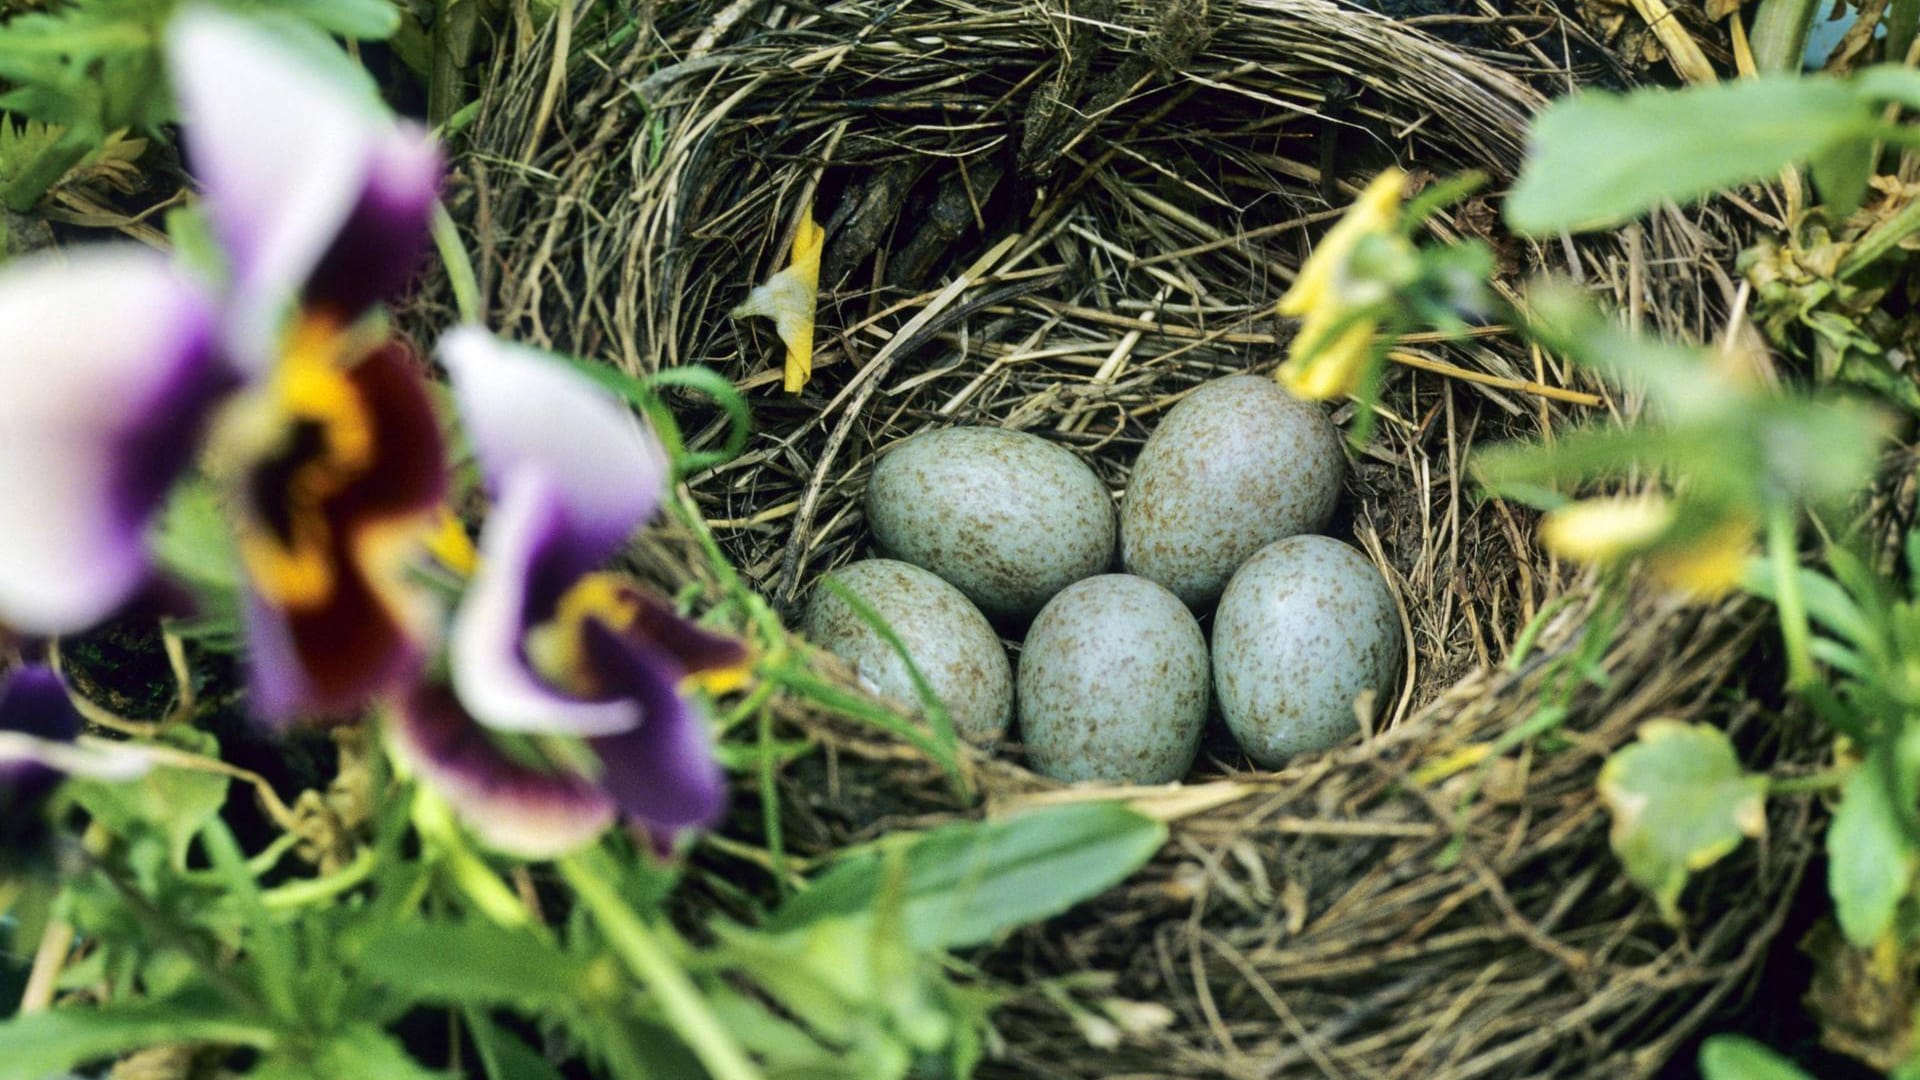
281 144
96 347
524 410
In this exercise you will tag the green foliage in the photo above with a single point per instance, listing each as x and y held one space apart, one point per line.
87 68
1602 159
964 883
178 802
481 964
1680 802
38 1046
1730 1057
1871 854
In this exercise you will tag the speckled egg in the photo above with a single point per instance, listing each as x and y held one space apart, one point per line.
1303 629
1008 518
949 640
1237 465
1113 683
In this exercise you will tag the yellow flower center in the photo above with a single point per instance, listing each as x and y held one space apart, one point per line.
303 439
557 648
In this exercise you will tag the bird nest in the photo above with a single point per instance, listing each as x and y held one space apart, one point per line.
1062 219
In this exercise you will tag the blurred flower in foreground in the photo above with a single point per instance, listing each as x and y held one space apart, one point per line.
117 366
789 299
1703 560
38 726
1337 298
567 703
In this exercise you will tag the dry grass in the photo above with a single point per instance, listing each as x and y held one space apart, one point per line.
1062 219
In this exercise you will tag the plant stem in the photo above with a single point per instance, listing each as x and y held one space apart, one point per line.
1780 34
299 894
466 287
638 947
48 959
1810 784
1881 239
1783 553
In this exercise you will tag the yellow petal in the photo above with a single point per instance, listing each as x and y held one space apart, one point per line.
1709 565
1321 371
789 298
1372 213
1606 530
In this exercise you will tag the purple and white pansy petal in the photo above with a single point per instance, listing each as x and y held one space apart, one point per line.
38 731
300 172
384 238
108 374
512 806
662 773
526 413
527 563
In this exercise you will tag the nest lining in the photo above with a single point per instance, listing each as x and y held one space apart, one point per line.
1061 220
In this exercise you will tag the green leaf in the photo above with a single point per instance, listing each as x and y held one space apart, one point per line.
1870 857
1732 1057
179 802
474 963
503 1056
1841 174
35 1047
1602 159
365 20
1890 82
358 1052
1680 801
966 883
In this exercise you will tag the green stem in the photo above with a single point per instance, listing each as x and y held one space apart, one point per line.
460 276
1783 551
469 873
640 949
770 802
1780 34
1811 784
299 894
1881 239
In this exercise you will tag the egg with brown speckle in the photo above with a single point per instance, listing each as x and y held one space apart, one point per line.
951 643
1303 630
1113 683
1238 464
1008 518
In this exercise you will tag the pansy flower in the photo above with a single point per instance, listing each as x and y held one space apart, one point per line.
117 365
567 703
38 729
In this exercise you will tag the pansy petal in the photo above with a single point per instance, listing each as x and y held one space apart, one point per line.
512 807
662 773
38 728
525 412
522 570
370 626
107 377
380 245
34 703
282 147
699 652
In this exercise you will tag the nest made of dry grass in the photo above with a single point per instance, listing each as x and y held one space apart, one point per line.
1162 168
